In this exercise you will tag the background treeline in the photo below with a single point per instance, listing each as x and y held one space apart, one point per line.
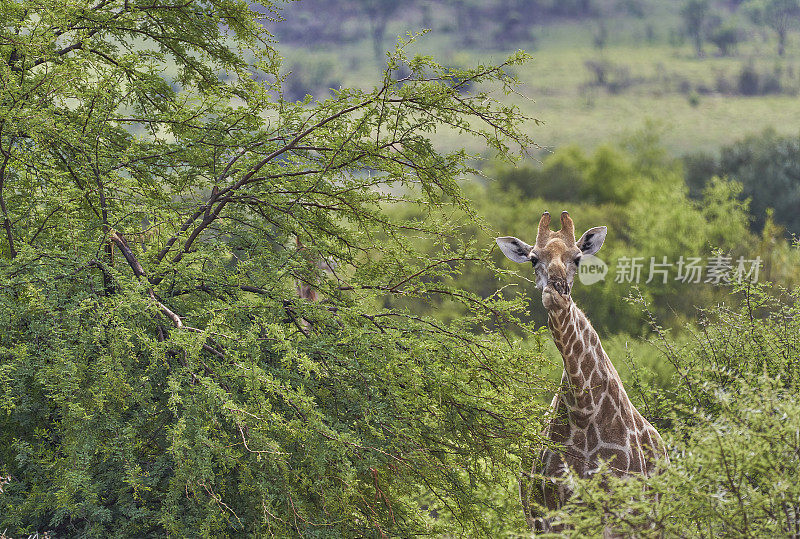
496 24
714 71
767 166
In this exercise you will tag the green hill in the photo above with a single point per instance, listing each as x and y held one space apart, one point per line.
599 69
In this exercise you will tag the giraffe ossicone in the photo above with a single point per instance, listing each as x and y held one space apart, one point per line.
592 418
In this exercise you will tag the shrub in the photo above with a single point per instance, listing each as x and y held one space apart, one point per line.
748 82
616 78
733 475
733 419
726 36
768 167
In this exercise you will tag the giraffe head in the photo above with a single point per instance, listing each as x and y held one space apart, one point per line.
555 257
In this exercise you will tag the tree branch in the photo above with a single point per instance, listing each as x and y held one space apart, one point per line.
6 220
122 245
138 270
220 195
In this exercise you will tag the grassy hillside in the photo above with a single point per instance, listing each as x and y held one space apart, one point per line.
646 70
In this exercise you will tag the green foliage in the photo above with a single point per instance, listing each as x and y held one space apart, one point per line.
158 373
710 382
161 202
561 176
568 175
735 475
734 448
698 168
639 193
766 165
727 35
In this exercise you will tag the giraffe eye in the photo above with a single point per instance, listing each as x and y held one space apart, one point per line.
577 260
534 260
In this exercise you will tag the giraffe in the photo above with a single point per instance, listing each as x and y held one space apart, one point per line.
592 416
307 287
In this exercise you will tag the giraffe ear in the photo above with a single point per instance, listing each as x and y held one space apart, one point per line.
592 240
515 249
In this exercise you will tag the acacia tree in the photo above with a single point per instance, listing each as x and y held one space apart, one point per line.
694 13
158 373
379 13
780 15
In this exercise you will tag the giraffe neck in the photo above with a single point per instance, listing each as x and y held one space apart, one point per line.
588 373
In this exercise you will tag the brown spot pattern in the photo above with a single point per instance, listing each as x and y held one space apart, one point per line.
596 420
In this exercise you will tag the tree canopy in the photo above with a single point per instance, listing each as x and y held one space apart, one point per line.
161 201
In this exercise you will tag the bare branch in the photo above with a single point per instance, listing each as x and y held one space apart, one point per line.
122 244
6 220
176 320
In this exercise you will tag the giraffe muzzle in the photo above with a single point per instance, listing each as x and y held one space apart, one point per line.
560 286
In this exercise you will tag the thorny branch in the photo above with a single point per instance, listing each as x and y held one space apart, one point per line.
122 244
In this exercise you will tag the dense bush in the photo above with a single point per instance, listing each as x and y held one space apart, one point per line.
768 168
639 193
731 421
159 374
726 36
